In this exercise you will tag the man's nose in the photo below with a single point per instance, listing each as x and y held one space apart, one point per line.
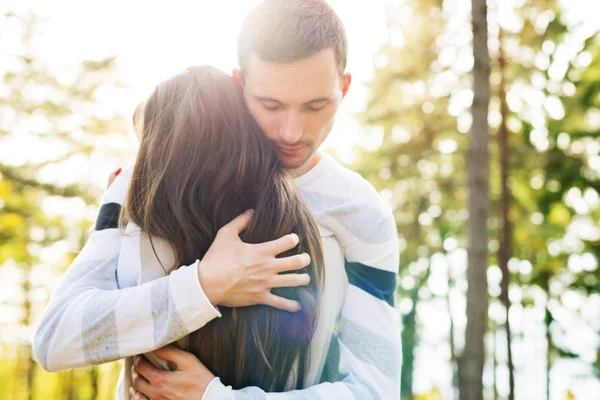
291 128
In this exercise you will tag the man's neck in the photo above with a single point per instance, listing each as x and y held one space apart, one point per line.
307 166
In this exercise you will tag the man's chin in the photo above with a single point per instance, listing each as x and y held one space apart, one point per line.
291 164
296 162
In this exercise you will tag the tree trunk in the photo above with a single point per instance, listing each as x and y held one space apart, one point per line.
495 361
18 374
549 349
94 382
27 364
409 342
451 341
472 360
409 324
505 250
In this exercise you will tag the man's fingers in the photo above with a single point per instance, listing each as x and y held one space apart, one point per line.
134 372
239 223
148 372
139 384
180 358
135 395
280 245
281 303
291 263
290 280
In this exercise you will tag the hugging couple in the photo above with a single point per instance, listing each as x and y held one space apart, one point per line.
232 259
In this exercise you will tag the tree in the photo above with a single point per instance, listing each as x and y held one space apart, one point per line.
419 162
505 246
418 165
544 169
44 111
471 362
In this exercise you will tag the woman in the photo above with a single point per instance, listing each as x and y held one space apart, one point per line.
202 161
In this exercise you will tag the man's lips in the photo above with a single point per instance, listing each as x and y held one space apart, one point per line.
289 150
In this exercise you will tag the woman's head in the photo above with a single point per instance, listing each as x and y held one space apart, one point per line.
202 161
193 123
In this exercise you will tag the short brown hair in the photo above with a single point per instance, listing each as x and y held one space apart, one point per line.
290 30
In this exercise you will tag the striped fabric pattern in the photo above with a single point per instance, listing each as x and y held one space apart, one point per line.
98 315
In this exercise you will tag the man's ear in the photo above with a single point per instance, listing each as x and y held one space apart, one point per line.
237 75
346 84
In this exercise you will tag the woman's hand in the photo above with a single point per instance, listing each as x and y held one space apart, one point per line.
112 177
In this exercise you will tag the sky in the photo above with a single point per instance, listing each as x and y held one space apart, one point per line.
154 40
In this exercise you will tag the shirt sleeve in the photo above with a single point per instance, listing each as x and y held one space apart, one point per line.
90 320
358 378
366 357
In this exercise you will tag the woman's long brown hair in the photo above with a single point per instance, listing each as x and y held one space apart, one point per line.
202 161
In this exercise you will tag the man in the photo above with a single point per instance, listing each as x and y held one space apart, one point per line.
292 56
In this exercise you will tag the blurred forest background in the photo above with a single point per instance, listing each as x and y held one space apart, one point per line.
543 230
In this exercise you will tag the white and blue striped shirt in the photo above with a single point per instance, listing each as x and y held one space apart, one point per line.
96 316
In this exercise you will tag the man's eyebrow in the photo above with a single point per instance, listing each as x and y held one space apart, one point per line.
319 100
265 98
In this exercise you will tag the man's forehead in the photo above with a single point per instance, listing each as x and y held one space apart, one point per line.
298 81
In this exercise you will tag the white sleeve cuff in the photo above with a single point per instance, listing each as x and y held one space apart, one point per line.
217 391
190 300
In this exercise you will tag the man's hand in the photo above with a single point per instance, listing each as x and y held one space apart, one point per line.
188 381
237 274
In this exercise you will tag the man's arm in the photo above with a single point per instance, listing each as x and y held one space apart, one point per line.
364 359
367 367
90 320
368 348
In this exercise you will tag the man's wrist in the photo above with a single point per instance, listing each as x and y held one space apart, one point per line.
209 284
189 297
215 390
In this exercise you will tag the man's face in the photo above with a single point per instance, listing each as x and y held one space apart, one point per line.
295 104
